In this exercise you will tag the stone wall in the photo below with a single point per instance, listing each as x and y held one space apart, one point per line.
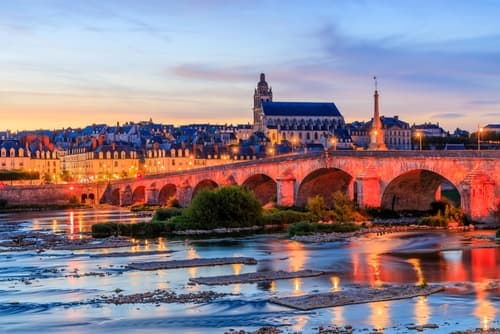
48 194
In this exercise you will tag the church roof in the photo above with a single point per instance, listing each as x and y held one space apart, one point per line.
300 109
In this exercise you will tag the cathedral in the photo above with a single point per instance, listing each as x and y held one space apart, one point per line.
298 123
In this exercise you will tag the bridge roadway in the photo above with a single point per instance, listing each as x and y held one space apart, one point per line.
398 180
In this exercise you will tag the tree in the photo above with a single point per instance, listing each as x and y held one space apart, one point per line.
230 206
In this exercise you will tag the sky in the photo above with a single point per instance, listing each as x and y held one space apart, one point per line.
73 63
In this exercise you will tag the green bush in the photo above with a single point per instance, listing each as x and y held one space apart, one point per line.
142 207
163 214
317 206
104 230
444 213
139 230
281 217
435 221
382 213
230 206
304 228
343 208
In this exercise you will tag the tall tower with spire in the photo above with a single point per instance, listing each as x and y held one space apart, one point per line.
262 94
376 132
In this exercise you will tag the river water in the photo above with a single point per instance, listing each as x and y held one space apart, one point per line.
41 291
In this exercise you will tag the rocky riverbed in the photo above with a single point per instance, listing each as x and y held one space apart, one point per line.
254 277
191 263
357 295
159 296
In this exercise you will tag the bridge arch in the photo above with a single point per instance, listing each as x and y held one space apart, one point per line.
139 195
416 189
166 192
324 182
204 184
263 186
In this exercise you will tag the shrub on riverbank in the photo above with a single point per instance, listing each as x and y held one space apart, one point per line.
498 234
164 214
142 207
445 214
284 217
230 206
139 230
342 209
305 228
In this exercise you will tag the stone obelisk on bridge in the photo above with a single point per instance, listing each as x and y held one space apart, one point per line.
376 132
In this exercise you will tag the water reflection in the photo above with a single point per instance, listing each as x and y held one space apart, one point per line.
422 310
484 310
418 270
380 315
335 281
337 316
409 258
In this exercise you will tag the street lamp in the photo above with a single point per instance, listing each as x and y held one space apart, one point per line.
294 143
479 138
333 141
419 136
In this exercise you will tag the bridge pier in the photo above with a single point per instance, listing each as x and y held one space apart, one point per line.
286 191
368 190
152 196
478 197
184 195
125 197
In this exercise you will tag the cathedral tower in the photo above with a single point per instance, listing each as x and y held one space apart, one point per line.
262 94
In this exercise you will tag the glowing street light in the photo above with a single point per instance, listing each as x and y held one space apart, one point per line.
419 136
294 143
333 141
480 130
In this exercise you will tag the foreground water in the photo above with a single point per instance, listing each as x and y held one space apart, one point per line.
42 291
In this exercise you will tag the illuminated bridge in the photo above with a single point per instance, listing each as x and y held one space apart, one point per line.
397 180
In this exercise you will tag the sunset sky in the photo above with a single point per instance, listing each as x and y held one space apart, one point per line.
71 63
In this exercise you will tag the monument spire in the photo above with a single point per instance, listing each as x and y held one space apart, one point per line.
376 132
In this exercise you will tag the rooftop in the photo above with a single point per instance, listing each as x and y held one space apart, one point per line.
300 109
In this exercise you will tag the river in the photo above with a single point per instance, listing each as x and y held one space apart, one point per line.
42 291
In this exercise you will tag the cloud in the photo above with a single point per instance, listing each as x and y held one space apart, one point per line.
491 114
447 115
420 65
211 73
488 102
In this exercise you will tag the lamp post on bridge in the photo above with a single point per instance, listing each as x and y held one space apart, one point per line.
419 136
479 131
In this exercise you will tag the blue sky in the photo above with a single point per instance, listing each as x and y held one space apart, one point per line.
70 63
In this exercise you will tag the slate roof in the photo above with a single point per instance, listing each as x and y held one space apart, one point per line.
300 109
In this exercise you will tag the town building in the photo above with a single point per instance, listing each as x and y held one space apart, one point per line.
495 128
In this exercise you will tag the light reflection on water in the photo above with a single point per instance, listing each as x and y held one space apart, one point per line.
374 261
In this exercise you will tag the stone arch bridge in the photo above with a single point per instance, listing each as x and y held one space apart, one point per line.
398 180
